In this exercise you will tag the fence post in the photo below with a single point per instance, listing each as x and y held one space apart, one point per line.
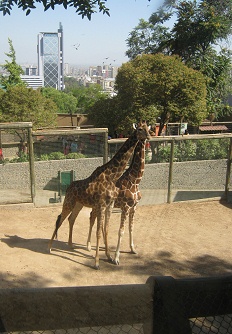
170 172
31 163
228 171
168 310
105 153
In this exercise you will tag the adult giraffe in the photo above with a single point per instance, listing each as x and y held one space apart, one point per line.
127 199
99 191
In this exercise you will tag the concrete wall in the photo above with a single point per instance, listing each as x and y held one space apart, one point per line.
205 174
192 175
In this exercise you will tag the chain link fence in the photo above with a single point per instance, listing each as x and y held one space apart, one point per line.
41 172
196 306
39 168
163 305
16 147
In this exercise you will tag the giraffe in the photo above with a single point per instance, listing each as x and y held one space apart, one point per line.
98 191
127 199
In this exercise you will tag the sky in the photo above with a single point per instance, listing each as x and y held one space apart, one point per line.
102 37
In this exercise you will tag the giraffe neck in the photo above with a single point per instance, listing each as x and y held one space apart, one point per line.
136 169
115 167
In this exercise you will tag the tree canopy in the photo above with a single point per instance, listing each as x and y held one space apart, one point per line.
198 27
66 103
107 114
155 88
86 96
22 104
85 8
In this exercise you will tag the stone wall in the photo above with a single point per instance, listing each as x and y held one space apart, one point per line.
205 174
192 175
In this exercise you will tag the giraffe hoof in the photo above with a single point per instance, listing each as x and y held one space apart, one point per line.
133 251
116 261
97 267
89 248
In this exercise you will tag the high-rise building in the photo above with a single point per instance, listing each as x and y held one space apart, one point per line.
51 58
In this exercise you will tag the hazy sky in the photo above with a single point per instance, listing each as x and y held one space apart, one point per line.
98 39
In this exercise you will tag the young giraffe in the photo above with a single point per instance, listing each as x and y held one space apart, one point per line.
99 191
127 199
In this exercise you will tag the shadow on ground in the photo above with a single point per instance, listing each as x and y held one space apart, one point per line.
160 263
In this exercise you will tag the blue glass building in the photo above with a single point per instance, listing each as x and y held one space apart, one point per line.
50 58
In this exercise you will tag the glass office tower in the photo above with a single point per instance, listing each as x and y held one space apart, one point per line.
50 58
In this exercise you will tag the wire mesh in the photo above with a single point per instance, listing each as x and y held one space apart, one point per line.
211 325
127 329
190 150
212 302
68 146
14 149
199 165
184 306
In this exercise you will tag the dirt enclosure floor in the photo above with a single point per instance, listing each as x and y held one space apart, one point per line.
188 239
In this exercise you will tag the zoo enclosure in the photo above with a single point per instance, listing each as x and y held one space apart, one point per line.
163 305
176 178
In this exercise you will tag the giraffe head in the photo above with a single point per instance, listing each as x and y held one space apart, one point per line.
142 130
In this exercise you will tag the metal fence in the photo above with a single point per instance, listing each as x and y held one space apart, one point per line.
177 168
163 305
32 163
16 139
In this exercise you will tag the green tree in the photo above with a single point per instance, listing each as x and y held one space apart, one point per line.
147 38
12 77
21 104
216 66
87 96
70 83
104 113
66 103
164 85
85 8
198 27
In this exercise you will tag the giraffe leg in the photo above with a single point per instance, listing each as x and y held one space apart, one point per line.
93 215
120 235
59 222
71 220
100 220
106 229
131 226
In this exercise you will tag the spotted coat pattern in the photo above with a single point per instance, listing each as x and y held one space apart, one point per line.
99 190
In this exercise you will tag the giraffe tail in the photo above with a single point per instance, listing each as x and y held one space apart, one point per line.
57 226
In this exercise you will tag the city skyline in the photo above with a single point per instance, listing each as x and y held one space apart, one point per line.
86 43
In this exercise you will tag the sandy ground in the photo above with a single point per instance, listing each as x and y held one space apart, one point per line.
189 239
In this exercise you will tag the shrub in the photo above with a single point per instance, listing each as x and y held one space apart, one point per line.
212 149
75 156
56 156
191 150
186 151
